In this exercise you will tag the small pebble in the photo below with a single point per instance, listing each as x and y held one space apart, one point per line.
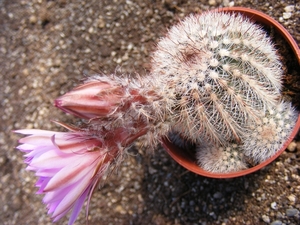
286 15
266 219
291 212
292 146
231 4
120 209
218 195
32 19
289 8
16 203
276 222
101 22
151 170
279 215
292 198
274 205
226 3
281 19
212 2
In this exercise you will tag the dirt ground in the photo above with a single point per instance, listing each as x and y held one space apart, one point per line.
47 47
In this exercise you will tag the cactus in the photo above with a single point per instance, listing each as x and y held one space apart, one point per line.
220 75
268 134
219 72
218 159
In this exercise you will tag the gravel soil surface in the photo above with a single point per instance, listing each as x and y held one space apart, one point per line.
47 47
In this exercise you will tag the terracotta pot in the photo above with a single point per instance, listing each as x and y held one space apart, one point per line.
187 159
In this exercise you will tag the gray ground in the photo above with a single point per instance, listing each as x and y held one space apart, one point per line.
47 47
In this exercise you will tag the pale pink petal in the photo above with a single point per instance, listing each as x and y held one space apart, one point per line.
37 132
46 172
73 172
51 159
77 207
72 196
26 147
36 140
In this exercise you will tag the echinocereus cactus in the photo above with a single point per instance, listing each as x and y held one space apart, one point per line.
219 72
214 86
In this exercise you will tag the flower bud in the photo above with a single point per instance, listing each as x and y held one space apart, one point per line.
92 99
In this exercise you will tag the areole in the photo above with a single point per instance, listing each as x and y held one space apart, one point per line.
186 159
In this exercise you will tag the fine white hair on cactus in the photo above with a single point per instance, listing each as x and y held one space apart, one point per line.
268 134
219 71
220 159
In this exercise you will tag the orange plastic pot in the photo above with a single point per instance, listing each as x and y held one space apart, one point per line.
187 159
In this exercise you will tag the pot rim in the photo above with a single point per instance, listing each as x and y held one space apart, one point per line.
188 161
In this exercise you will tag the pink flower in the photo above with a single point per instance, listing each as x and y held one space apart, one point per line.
70 164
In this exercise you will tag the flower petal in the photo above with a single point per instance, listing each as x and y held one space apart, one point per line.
77 207
72 196
72 172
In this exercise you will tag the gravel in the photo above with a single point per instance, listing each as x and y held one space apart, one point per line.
292 212
276 222
47 47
